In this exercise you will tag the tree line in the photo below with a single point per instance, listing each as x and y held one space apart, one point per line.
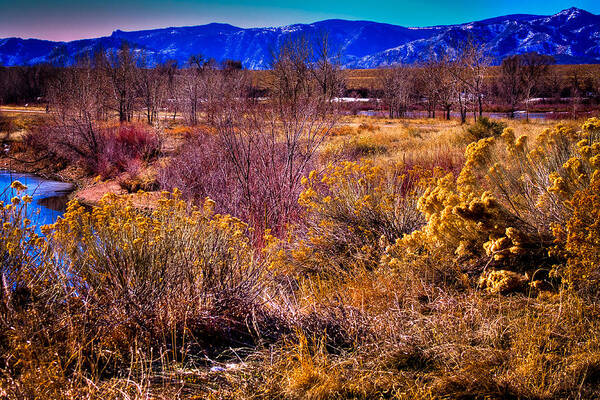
124 83
466 82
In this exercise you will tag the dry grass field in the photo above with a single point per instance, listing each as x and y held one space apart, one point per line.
429 260
369 78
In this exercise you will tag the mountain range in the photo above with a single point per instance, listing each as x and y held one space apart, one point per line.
572 36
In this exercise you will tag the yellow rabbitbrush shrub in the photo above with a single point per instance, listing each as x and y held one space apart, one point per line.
158 270
501 281
353 210
578 185
499 212
117 292
582 240
30 326
20 246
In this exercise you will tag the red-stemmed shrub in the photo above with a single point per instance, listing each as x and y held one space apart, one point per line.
125 144
101 150
261 197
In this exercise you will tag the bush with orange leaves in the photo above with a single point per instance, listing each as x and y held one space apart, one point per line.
503 210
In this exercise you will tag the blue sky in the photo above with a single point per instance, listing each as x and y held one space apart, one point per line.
70 19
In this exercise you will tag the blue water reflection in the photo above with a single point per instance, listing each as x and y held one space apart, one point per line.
49 197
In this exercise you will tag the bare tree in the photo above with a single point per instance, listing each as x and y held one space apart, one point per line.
290 78
446 85
76 97
511 83
520 75
427 85
191 88
437 83
577 88
195 85
152 85
172 76
469 69
326 69
271 143
460 77
534 68
304 116
396 83
123 73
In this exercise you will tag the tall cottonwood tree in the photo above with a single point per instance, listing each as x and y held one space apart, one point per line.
122 71
469 69
396 84
520 74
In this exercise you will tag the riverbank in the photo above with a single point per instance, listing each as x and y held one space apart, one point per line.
48 198
379 139
86 189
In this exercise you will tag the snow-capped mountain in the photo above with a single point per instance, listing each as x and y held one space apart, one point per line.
572 36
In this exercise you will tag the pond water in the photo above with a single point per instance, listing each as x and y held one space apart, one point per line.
49 197
494 115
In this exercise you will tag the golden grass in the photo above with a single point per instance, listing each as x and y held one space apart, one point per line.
414 141
369 78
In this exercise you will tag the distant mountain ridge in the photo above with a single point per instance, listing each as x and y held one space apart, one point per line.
572 36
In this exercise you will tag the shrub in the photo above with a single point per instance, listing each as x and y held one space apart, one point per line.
114 289
172 269
579 186
199 171
104 150
123 144
485 127
502 281
139 177
32 351
366 126
353 210
255 190
582 240
343 130
353 149
181 130
500 210
20 248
